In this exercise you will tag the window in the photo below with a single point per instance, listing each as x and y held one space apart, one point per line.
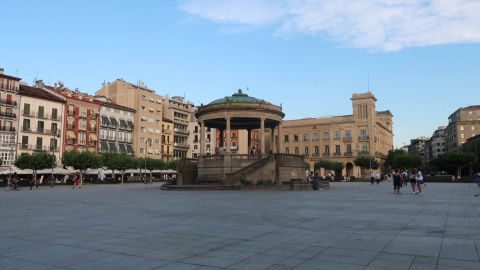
305 150
285 138
337 135
40 127
363 133
326 135
349 148
24 142
144 97
41 111
326 149
315 136
150 120
142 129
337 149
143 108
159 112
305 136
53 128
295 150
473 127
82 124
461 127
470 113
151 110
157 141
121 136
462 136
157 122
83 111
364 147
39 143
26 109
286 150
142 150
54 113
142 139
315 150
82 137
295 137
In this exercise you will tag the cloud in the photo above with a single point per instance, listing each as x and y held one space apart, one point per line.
387 25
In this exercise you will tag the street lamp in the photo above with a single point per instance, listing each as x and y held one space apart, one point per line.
148 142
12 146
53 145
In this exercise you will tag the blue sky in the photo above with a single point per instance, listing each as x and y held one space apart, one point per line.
422 56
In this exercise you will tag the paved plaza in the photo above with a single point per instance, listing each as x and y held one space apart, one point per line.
134 226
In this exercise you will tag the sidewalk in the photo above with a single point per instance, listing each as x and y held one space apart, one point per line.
351 226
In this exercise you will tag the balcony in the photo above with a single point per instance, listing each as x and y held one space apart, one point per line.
326 139
111 138
93 116
42 115
347 139
166 131
93 130
55 117
83 114
70 141
347 154
166 142
315 155
32 129
306 155
183 145
363 138
167 153
36 147
71 112
8 87
184 131
7 128
8 102
92 144
337 154
336 138
364 153
71 126
28 113
325 154
8 115
195 131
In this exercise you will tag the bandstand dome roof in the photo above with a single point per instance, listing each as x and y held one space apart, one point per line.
238 97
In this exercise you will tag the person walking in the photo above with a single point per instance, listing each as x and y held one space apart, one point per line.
34 182
377 178
419 182
76 181
397 182
372 177
477 178
413 181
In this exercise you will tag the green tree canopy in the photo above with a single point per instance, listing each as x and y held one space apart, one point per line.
173 164
36 161
366 162
81 161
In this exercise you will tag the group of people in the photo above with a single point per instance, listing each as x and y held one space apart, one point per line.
376 176
415 177
315 180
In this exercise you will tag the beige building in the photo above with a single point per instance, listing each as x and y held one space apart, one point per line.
194 139
9 100
179 111
463 124
342 138
148 116
41 119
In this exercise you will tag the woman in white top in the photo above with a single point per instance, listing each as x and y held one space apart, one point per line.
419 182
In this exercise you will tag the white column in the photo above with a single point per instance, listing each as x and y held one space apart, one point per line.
202 138
262 136
227 144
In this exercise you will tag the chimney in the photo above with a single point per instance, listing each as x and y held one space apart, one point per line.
2 71
39 84
103 84
55 86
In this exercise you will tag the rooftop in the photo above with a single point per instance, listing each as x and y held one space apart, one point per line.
238 97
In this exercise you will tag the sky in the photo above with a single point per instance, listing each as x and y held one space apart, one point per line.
420 58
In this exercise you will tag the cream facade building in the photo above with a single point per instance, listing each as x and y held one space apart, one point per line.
9 102
342 138
148 117
194 139
463 124
179 111
41 118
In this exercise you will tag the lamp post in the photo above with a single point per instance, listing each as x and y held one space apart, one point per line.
12 145
148 142
53 145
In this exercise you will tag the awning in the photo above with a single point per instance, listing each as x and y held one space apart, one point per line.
123 123
130 123
129 148
71 135
122 147
93 137
143 118
157 131
152 99
113 147
105 120
114 121
150 130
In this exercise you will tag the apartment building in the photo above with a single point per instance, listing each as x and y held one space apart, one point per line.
9 100
463 124
436 145
418 146
194 139
167 140
179 111
241 141
117 125
148 114
41 119
342 138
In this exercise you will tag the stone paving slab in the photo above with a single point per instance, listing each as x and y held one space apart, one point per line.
133 226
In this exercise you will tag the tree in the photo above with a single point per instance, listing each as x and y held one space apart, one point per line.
155 164
124 162
459 160
173 164
337 167
108 161
366 162
81 161
36 161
